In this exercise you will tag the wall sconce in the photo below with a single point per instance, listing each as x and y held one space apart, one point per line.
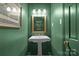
39 12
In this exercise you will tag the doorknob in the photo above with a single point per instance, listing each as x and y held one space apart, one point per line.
66 43
67 48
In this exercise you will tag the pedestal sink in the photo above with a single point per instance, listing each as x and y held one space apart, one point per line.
39 40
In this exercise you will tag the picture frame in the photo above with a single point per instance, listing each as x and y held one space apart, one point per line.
39 24
10 19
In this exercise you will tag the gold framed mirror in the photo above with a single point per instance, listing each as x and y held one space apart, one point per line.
39 24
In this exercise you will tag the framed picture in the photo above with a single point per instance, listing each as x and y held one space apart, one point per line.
10 15
39 24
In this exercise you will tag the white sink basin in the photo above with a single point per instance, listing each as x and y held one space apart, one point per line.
39 40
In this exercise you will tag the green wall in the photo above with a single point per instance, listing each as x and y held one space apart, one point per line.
14 41
57 29
40 6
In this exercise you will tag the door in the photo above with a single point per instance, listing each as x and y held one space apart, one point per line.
70 20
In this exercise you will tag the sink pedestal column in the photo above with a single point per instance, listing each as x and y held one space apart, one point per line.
39 48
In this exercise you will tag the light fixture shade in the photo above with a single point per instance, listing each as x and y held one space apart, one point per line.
44 12
8 9
34 11
39 12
